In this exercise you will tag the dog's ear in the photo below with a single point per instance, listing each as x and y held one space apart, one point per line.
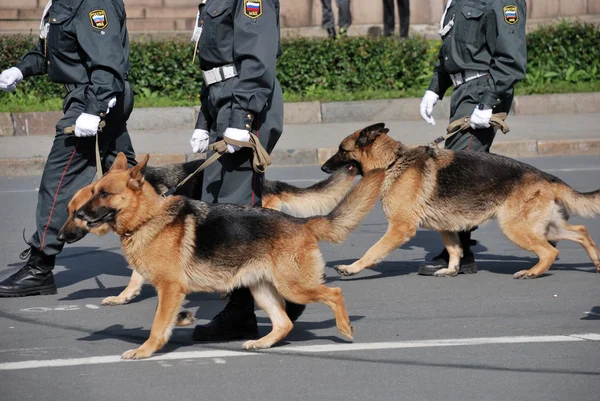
136 174
368 135
120 163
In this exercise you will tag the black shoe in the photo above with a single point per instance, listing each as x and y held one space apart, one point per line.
35 278
236 321
231 323
467 264
331 33
294 310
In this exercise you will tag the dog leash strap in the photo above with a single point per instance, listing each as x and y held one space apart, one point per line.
71 130
204 165
260 161
497 121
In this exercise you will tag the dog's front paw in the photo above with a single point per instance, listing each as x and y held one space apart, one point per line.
114 301
256 344
138 353
345 270
524 274
445 273
184 318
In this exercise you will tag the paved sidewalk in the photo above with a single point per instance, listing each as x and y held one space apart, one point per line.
311 143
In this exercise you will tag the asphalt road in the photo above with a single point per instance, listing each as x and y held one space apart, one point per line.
477 337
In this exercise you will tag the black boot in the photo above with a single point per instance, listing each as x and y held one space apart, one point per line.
236 321
331 33
467 262
35 278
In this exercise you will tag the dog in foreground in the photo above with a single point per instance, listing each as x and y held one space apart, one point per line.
451 192
180 245
318 199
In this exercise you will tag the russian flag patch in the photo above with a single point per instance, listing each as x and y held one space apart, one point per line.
98 19
253 8
510 14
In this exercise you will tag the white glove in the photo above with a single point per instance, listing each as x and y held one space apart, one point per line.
199 141
429 100
237 134
86 125
481 118
111 104
10 78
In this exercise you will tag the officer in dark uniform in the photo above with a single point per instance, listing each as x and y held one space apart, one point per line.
238 46
344 17
85 46
389 17
483 55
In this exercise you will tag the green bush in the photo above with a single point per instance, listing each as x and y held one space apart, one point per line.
567 52
316 68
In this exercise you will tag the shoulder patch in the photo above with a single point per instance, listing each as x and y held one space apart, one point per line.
511 15
98 19
253 8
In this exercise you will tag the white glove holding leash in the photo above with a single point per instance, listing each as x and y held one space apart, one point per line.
199 141
429 100
86 125
481 118
10 78
238 135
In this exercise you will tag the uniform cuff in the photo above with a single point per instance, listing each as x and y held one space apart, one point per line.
96 108
241 119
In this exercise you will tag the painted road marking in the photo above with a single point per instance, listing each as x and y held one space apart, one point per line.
309 349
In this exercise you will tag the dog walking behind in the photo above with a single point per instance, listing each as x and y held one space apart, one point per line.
451 192
181 246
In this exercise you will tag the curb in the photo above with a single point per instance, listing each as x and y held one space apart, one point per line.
406 109
317 156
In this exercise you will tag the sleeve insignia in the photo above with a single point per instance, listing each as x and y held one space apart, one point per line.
253 8
510 15
98 19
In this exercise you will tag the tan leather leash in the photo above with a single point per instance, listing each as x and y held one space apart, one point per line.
260 161
497 121
71 130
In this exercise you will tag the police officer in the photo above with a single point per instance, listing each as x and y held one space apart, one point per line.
483 55
85 46
344 17
238 46
389 17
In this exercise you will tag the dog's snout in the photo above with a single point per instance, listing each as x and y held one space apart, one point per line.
326 169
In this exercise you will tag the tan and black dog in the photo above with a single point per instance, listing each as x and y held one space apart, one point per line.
318 199
451 191
180 245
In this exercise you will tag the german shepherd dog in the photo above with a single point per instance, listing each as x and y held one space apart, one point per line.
180 245
451 192
318 199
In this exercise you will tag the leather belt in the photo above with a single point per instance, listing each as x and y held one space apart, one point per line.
219 74
466 76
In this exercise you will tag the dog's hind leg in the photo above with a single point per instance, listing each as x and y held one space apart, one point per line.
396 236
131 291
578 234
452 243
520 231
170 298
331 297
269 300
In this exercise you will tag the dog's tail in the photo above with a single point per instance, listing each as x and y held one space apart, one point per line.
317 200
585 204
346 216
